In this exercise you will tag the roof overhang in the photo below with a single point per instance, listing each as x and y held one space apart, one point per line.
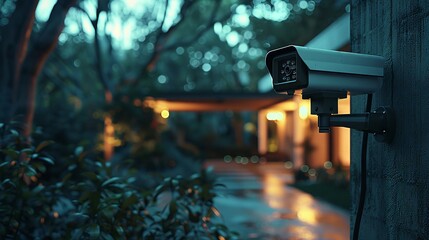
215 101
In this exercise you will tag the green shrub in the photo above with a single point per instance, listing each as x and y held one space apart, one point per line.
89 202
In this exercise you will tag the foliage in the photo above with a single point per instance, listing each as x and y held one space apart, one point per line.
332 184
139 132
90 202
334 194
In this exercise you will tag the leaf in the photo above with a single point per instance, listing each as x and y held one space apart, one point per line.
8 181
81 156
129 201
172 210
38 188
77 234
193 217
66 177
78 150
94 202
27 150
71 167
195 176
4 164
106 236
39 167
85 196
14 132
99 164
94 231
91 176
43 144
117 188
119 230
220 185
109 181
47 160
131 180
215 211
110 211
158 190
30 171
29 211
174 182
209 170
186 227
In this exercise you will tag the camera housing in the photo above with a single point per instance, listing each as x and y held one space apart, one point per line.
324 76
313 70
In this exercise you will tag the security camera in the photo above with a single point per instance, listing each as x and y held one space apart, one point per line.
316 70
324 76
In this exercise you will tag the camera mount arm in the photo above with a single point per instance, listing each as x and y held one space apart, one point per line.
380 122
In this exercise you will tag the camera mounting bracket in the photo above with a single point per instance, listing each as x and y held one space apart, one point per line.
381 122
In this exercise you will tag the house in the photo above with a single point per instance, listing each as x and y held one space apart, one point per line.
286 130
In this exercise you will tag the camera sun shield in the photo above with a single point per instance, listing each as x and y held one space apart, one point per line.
312 70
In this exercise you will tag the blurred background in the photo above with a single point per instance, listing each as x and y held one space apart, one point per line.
155 89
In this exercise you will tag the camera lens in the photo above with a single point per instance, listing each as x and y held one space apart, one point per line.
288 69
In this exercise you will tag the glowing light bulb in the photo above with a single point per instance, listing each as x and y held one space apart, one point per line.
165 113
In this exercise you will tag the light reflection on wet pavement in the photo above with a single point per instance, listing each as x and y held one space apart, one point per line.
259 205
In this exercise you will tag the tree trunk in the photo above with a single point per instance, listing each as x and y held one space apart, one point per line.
41 46
14 38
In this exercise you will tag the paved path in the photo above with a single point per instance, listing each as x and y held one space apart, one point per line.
259 205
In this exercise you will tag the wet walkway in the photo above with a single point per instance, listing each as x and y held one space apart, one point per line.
259 205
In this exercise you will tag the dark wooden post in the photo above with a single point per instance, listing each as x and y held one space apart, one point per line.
397 198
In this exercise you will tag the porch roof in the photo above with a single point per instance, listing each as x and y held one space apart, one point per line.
216 101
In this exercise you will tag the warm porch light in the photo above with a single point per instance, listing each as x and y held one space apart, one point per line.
303 110
275 116
165 113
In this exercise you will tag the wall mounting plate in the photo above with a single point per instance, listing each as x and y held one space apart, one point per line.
389 119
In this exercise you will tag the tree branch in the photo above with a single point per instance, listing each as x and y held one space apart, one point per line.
110 51
199 34
183 11
167 2
159 48
159 36
48 36
86 14
98 57
102 6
